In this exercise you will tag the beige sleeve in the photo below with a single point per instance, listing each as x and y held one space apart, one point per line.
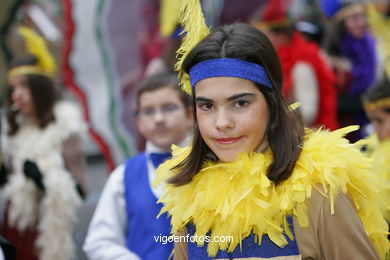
180 251
339 236
75 160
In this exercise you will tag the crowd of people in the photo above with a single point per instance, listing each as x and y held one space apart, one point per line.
273 131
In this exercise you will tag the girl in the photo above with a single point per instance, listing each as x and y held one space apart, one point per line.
377 107
41 146
255 175
352 52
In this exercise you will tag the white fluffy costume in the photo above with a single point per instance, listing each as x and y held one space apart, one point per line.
52 213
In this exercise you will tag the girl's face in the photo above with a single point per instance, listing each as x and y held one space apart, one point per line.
381 122
232 116
356 25
21 95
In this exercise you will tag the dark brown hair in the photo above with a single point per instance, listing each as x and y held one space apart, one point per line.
43 93
285 128
158 81
334 34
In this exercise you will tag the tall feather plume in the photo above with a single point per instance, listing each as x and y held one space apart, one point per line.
380 28
194 26
169 16
36 45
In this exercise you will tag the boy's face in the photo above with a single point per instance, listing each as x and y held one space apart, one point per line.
381 122
163 118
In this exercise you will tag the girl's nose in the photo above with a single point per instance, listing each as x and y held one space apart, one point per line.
223 121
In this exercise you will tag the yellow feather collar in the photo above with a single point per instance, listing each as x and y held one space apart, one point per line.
236 199
380 153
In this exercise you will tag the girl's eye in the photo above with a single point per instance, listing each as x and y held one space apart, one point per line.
241 103
206 106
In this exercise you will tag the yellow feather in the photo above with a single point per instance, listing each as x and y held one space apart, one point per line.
194 26
168 18
36 45
294 105
255 205
380 152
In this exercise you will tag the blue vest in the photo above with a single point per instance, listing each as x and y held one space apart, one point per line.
143 229
250 248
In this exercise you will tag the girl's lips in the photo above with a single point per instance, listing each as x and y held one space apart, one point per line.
228 140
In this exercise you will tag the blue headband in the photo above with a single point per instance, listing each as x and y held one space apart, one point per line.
226 67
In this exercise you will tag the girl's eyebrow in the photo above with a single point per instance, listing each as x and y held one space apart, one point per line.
234 97
240 96
203 99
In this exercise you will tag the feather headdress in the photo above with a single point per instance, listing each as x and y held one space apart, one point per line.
168 19
36 46
194 26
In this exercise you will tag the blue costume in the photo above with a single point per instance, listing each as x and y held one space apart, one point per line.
268 249
124 225
142 226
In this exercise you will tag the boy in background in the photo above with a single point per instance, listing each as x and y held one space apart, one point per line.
124 225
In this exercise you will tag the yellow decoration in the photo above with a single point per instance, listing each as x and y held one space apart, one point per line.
36 45
236 199
168 18
192 20
25 70
380 103
294 106
265 25
349 10
380 28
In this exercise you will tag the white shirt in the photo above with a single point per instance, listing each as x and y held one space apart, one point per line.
106 238
305 90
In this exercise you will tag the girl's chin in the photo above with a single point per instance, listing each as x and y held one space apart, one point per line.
227 158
